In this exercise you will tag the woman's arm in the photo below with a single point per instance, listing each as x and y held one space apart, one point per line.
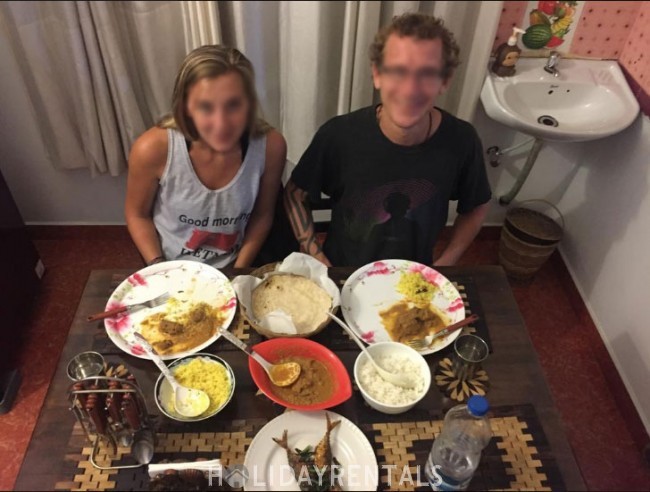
146 163
261 219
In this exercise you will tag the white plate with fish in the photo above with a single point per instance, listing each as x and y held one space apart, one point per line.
201 300
398 300
267 458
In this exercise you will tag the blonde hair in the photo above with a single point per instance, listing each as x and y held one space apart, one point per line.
212 61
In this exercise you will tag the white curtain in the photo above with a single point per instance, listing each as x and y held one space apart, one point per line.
97 73
200 24
100 73
312 59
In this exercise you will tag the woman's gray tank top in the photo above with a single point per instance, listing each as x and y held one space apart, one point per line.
197 223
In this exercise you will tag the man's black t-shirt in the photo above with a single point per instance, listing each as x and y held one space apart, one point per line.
390 201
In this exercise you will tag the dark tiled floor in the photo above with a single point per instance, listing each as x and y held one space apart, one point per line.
594 407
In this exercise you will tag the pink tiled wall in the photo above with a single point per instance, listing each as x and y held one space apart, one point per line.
618 30
600 32
603 28
636 53
512 15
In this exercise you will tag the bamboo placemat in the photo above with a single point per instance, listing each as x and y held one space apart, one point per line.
332 336
517 458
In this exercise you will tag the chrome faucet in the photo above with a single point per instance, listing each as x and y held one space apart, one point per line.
552 62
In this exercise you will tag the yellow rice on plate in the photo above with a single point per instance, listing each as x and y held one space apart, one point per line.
415 288
207 375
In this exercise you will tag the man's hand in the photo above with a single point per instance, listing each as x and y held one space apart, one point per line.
466 227
296 204
323 259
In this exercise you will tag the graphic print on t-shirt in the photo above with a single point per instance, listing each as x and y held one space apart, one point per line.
389 220
208 244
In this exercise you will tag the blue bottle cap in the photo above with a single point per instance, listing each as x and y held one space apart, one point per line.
478 405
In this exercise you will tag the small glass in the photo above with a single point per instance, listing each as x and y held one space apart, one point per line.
469 352
86 365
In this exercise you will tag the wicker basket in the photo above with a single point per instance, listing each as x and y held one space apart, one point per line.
528 239
260 272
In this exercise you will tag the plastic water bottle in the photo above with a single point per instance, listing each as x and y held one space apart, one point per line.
457 450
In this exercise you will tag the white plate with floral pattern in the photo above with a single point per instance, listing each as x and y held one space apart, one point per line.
373 288
187 282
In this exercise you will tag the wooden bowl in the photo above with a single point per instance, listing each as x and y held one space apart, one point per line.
260 272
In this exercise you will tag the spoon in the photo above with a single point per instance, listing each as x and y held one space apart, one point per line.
189 402
142 448
401 380
280 374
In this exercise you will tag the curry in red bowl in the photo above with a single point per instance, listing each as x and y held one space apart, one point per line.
323 381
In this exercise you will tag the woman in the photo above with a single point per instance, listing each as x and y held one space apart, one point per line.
202 185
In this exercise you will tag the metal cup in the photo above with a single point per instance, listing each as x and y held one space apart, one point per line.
469 352
85 365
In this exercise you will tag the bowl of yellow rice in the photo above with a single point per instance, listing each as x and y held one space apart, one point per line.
202 371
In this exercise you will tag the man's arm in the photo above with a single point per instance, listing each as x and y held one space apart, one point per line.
466 227
296 204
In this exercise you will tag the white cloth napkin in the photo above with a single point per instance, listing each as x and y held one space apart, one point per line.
205 466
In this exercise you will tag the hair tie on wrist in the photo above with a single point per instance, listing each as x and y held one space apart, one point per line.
157 259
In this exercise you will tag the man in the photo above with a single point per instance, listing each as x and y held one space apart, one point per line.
392 169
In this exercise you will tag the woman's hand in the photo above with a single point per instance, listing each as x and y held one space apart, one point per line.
146 164
261 219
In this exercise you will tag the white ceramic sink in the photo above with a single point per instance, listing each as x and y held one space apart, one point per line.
589 99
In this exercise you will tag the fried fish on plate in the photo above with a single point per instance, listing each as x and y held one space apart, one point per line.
318 462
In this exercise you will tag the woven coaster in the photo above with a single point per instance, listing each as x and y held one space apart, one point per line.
448 382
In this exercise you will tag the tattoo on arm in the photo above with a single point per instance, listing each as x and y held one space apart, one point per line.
296 203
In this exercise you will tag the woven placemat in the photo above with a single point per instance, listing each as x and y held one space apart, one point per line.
332 336
227 441
517 457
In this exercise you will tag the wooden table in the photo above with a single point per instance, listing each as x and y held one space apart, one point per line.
515 374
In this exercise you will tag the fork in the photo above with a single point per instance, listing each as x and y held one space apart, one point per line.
422 344
152 303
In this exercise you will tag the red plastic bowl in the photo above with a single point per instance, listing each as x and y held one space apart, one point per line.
277 348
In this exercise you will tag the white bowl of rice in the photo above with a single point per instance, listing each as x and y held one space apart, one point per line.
397 358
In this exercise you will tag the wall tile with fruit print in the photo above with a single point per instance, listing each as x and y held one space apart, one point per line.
550 24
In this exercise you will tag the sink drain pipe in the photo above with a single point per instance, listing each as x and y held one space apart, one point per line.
495 153
523 174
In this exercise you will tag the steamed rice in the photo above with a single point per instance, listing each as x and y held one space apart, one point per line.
386 392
